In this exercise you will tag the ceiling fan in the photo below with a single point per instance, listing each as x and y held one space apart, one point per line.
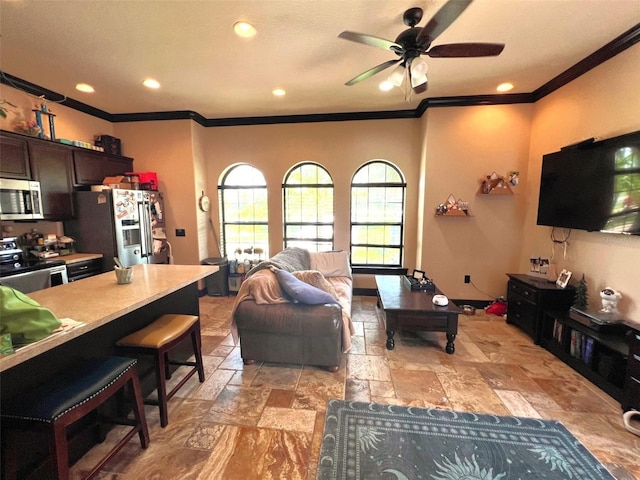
416 41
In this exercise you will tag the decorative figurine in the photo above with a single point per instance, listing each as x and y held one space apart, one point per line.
43 110
581 298
610 299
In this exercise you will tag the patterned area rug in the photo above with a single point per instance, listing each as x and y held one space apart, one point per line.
373 441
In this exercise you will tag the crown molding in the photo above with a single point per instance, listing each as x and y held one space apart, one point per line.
611 49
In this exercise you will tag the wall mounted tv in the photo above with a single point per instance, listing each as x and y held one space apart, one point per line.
593 186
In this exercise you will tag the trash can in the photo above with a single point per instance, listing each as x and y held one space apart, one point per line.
217 284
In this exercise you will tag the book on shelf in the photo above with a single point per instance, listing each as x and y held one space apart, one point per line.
577 344
557 331
587 353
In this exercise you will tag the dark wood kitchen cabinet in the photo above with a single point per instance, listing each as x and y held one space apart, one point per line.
14 157
92 167
84 269
52 165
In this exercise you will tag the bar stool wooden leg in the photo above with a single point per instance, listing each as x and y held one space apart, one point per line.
60 449
138 411
162 373
197 352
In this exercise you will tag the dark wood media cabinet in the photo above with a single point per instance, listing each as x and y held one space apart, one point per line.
607 355
527 299
601 356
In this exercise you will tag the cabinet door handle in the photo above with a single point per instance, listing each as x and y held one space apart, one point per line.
636 357
638 337
83 268
526 293
635 379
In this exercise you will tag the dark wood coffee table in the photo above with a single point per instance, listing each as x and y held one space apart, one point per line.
414 310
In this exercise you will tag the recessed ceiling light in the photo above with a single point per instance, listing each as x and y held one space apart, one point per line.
85 87
278 92
244 29
385 86
505 87
151 83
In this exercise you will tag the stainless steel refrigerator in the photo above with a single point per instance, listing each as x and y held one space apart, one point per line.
128 224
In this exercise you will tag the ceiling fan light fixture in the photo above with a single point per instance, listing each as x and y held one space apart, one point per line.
397 76
279 92
244 29
419 68
417 81
385 86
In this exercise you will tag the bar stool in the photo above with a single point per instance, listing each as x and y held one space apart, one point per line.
53 406
158 339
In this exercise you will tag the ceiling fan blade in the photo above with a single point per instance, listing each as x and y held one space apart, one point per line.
372 71
371 40
441 21
466 50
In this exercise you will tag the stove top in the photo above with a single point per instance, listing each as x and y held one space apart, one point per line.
28 265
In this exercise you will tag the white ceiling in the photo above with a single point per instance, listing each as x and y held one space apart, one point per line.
189 46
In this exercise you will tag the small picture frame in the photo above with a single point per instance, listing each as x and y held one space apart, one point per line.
418 274
563 278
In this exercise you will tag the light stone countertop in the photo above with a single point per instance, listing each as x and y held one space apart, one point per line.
98 300
79 257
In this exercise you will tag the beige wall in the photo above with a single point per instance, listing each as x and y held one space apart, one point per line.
461 146
167 149
341 147
603 103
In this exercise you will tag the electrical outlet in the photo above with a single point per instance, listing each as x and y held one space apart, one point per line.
467 279
180 232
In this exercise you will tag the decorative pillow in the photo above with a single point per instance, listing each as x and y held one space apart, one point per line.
300 291
315 278
331 264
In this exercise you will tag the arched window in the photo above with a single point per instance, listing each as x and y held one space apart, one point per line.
308 208
377 215
244 213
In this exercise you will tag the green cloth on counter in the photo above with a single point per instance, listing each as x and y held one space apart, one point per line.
24 318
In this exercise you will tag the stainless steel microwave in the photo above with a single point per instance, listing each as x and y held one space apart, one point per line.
20 199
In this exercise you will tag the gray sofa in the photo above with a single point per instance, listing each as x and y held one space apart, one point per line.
271 327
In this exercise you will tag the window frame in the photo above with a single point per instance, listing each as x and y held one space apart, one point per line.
286 240
400 246
222 187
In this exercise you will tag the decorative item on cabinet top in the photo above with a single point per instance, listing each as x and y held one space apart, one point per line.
495 184
453 208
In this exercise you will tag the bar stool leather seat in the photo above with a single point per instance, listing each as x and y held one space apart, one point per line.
68 397
158 339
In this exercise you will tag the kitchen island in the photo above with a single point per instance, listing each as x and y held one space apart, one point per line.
106 311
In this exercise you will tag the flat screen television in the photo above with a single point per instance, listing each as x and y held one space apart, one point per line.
593 186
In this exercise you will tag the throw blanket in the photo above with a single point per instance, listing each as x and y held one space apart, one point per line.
290 259
262 286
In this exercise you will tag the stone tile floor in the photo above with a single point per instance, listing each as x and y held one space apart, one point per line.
265 421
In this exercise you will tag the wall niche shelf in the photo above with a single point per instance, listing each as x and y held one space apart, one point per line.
453 208
495 184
